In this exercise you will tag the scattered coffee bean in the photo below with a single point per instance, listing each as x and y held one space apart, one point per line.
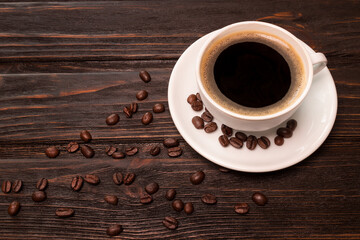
224 170
242 208
77 183
145 198
251 142
145 76
198 96
191 98
133 107
197 178
6 186
16 187
42 184
206 116
158 108
240 135
38 196
259 198
208 199
111 199
131 151
152 188
64 212
235 142
110 150
114 230
155 150
118 155
197 105
224 140
14 208
117 178
188 208
177 205
112 119
284 132
263 142
72 147
92 179
147 118
128 112
141 95
170 194
85 136
291 124
227 131
52 152
174 152
87 151
170 223
129 178
198 122
170 142
279 140
210 127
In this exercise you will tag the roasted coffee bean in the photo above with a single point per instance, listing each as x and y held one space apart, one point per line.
210 127
129 178
118 155
170 223
145 76
6 186
259 199
87 151
224 170
141 95
197 105
177 205
77 183
170 194
152 188
224 140
251 142
227 131
64 212
133 107
158 108
197 177
206 116
198 122
147 118
174 152
72 147
114 230
263 142
170 142
111 199
110 150
85 136
279 140
14 208
130 151
208 199
284 132
92 179
188 208
112 119
191 98
117 178
38 196
52 152
155 150
291 124
42 184
145 198
198 96
240 135
242 208
128 112
16 187
235 142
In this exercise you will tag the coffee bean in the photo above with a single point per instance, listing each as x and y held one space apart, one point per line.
111 199
145 198
170 194
92 179
141 95
210 127
177 205
152 188
110 150
39 196
118 155
117 178
128 112
188 208
112 119
77 183
52 152
85 136
170 223
114 230
129 178
155 150
197 177
16 187
158 108
235 142
259 199
147 118
87 151
197 105
64 212
42 184
284 132
242 208
208 199
279 140
198 96
145 76
130 151
170 142
133 107
224 170
291 124
263 142
14 208
206 116
224 140
251 142
227 131
6 186
191 98
174 152
198 122
72 147
240 135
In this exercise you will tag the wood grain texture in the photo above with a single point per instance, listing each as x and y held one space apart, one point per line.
65 66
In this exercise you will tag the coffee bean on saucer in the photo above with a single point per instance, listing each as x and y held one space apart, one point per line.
117 178
72 147
112 119
158 108
240 135
133 107
52 152
87 151
263 142
128 113
208 199
155 150
6 186
64 212
291 124
77 183
174 152
235 142
177 205
191 98
170 142
114 230
198 122
197 105
284 132
188 208
224 140
206 116
145 76
279 140
210 127
242 208
38 196
170 223
251 142
198 97
145 198
147 118
118 155
227 131
141 95
129 178
130 151
170 194
259 198
197 177
42 184
111 199
92 179
110 150
16 187
14 208
152 188
85 136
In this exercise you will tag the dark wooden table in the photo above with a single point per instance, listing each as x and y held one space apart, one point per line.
65 66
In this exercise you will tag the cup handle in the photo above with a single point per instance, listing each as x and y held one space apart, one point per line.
319 61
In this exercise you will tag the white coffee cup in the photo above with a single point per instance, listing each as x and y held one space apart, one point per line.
312 64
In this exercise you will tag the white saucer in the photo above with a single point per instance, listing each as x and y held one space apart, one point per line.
315 119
